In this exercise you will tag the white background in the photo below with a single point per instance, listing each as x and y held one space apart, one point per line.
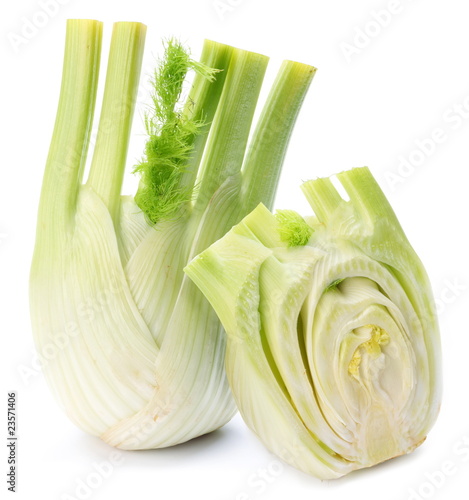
370 108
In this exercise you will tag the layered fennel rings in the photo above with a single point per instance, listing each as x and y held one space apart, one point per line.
333 347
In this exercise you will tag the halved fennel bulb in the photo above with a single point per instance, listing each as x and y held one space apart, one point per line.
333 350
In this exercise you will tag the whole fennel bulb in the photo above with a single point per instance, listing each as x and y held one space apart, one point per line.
132 350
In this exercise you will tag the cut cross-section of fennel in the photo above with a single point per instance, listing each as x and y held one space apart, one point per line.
333 350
